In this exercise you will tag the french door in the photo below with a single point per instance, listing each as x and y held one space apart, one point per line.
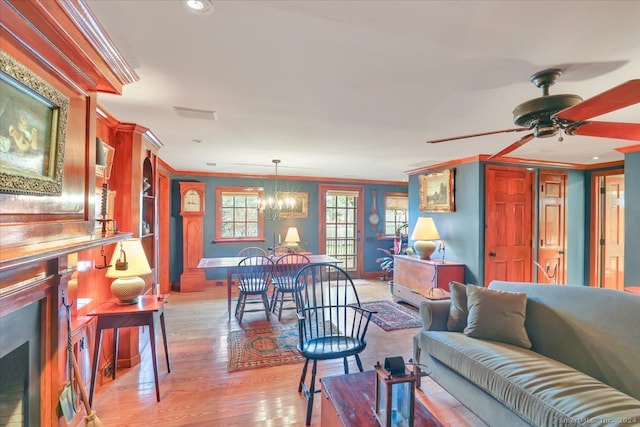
341 225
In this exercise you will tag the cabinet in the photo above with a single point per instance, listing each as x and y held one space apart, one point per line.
413 277
134 178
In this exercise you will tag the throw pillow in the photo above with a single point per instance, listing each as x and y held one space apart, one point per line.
457 320
497 316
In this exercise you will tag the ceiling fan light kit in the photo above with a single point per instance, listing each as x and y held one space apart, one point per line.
547 115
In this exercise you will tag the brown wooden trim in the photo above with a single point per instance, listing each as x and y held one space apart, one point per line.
629 149
514 161
58 44
285 177
21 256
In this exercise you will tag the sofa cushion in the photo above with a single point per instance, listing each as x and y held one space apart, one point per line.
497 316
457 320
541 390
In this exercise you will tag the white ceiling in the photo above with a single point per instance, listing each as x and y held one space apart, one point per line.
353 89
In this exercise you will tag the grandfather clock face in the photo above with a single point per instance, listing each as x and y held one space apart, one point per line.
192 202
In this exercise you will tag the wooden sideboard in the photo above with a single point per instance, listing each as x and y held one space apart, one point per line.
413 277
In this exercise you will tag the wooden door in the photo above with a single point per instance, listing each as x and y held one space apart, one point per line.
508 224
613 232
341 222
552 227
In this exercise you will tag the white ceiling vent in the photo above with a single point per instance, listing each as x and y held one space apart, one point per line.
194 113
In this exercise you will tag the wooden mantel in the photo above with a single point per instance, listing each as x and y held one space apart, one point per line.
15 257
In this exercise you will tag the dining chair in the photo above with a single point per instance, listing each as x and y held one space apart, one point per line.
284 282
252 251
331 322
254 276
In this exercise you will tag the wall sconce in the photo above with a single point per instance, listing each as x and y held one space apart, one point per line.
127 263
292 238
395 393
424 233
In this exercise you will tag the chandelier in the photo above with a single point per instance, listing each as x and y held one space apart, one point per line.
274 204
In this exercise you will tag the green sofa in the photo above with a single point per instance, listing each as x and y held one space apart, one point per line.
583 367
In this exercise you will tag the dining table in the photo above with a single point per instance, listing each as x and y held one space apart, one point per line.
231 264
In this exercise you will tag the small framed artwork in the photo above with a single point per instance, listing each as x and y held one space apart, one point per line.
301 208
104 171
33 125
437 191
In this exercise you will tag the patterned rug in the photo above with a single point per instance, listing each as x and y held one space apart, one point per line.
264 347
391 316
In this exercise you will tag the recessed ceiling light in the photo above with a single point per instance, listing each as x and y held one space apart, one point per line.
595 158
201 7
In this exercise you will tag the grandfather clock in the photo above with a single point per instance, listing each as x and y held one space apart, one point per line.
192 212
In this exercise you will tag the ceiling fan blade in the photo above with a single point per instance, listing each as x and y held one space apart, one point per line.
630 131
435 141
519 143
614 99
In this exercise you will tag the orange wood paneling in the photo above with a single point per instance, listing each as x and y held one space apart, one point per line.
552 226
509 227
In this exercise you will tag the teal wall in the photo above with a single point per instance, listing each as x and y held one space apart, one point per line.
632 219
462 230
307 227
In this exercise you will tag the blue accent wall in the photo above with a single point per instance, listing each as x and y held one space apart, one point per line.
462 230
632 219
307 227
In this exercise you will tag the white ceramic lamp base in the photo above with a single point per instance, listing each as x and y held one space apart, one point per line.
127 289
424 248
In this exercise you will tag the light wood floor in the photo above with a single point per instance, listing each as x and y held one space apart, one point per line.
200 392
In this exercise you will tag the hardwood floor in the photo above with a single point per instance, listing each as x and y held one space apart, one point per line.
200 392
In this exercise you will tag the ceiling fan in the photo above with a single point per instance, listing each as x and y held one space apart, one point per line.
549 114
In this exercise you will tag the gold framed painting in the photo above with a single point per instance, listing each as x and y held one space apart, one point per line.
437 191
301 207
33 126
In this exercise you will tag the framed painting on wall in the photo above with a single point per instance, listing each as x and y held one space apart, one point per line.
33 123
436 191
301 208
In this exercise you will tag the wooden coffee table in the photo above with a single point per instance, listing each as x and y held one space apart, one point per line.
349 400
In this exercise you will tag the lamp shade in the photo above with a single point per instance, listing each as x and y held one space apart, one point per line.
292 235
424 232
127 263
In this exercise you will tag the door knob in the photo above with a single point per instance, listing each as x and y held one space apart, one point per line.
492 254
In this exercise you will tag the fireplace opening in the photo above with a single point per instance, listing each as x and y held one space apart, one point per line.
20 367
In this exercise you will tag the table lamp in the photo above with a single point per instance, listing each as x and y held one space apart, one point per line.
292 238
127 263
424 233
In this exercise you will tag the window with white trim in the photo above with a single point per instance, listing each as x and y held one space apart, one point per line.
396 212
237 216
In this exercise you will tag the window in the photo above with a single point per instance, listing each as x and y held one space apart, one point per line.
237 216
396 212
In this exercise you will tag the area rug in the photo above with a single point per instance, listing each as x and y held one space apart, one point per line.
263 347
391 316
